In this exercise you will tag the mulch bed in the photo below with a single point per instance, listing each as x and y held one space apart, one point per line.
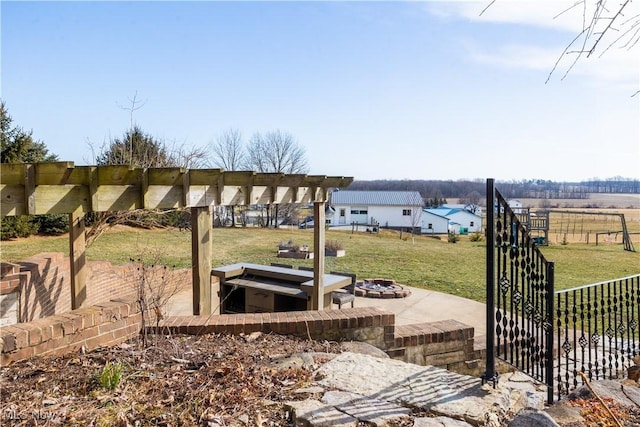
212 380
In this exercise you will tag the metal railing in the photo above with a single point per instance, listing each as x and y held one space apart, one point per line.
552 336
519 296
598 331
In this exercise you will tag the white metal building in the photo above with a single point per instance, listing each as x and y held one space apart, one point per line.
433 223
459 220
388 209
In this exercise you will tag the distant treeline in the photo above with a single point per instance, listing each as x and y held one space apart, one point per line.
529 189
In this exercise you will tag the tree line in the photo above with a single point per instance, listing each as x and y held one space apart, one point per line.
528 189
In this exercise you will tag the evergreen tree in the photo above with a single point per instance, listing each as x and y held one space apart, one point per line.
18 146
137 149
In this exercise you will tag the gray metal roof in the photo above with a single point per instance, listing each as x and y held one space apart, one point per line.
376 198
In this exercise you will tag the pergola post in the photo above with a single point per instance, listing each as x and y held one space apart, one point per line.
77 259
317 302
201 251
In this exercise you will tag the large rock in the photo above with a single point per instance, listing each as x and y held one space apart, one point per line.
365 409
532 418
313 413
439 422
434 389
381 391
363 348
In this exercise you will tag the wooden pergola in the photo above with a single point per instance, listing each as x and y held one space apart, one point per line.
63 188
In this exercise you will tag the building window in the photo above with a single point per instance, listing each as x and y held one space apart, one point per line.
430 227
342 211
406 212
471 224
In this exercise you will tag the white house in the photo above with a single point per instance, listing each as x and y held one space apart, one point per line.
432 223
389 209
458 219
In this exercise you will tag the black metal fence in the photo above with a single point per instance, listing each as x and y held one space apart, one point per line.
519 296
598 331
552 336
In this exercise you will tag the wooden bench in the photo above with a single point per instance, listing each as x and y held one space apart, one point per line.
344 296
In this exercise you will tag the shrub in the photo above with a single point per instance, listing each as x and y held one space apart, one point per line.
286 245
453 237
292 247
17 226
476 237
333 245
27 225
52 225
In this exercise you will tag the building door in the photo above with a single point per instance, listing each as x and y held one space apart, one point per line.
360 215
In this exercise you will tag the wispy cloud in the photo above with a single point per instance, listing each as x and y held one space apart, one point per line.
616 67
619 63
563 15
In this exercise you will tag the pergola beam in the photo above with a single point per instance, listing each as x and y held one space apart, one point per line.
62 188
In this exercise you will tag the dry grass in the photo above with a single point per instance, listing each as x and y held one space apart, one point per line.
429 263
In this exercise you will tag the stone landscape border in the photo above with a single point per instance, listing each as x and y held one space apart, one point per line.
389 289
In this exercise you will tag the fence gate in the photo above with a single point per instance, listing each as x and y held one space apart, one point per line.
520 309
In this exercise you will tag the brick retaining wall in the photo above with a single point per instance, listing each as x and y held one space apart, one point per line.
365 324
448 344
442 344
51 327
104 324
43 283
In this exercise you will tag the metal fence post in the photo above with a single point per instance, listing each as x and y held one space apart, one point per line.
490 368
550 330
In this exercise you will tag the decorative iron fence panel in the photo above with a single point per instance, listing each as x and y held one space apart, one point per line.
519 296
597 327
598 331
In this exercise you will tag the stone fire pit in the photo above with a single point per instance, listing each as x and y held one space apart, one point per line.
380 288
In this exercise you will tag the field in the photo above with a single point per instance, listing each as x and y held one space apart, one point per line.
602 226
422 262
595 200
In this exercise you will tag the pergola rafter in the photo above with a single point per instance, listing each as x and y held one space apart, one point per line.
63 188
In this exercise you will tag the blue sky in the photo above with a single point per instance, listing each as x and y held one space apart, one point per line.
373 90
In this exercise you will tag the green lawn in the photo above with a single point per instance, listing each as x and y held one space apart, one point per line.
429 263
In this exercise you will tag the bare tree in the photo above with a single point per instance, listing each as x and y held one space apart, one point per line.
187 157
276 151
605 24
141 150
472 202
415 215
228 151
135 106
228 154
